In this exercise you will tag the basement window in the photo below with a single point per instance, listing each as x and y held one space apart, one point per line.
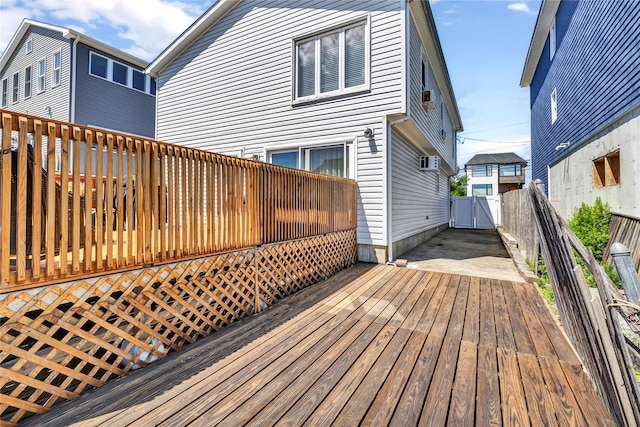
606 170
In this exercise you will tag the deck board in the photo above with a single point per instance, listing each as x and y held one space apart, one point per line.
374 345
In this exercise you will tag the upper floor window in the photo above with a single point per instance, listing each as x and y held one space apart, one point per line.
425 74
552 39
42 70
16 83
5 88
481 170
57 63
28 47
510 170
27 82
114 71
554 106
332 63
482 190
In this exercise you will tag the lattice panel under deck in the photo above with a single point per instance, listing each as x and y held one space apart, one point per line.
56 341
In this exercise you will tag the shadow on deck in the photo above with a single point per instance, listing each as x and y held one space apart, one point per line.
373 345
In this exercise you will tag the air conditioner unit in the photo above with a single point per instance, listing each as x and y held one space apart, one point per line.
428 99
429 163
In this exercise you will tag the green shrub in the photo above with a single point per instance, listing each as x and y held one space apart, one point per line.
591 225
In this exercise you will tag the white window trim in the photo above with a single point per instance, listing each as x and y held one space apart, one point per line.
5 92
109 78
303 147
30 82
15 88
54 69
28 46
554 105
341 90
552 39
44 76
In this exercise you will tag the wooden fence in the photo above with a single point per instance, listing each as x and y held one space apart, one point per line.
79 202
143 247
626 230
518 220
591 325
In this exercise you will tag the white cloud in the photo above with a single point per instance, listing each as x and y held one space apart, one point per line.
450 11
12 13
150 25
519 7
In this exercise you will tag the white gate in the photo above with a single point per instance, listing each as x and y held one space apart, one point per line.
475 212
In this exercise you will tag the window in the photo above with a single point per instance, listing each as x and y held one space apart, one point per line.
554 106
481 170
98 65
152 89
108 69
5 88
331 63
510 170
27 82
606 170
42 69
16 83
482 190
139 80
28 46
285 158
425 74
55 77
552 39
120 73
328 160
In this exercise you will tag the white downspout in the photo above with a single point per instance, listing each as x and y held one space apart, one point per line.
74 77
389 189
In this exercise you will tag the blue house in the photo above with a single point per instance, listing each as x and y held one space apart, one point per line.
57 72
582 71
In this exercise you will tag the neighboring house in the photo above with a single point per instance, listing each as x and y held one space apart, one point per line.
332 87
582 71
493 174
57 72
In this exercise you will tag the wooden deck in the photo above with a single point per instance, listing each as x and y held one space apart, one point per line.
374 345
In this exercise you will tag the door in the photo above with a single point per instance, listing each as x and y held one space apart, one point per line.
482 212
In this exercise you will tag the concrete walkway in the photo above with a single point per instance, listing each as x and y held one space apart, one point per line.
467 252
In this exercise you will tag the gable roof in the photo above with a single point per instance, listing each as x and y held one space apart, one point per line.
547 12
70 34
498 158
218 10
424 20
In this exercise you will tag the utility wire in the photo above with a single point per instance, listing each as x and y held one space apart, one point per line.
499 127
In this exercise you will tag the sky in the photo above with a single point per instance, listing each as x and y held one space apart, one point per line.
485 44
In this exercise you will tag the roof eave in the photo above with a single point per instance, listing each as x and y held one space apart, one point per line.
546 14
22 30
191 34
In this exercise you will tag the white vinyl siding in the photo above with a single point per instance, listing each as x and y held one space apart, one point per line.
417 205
430 122
237 80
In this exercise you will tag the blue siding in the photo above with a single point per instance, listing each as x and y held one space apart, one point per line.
564 15
595 73
109 105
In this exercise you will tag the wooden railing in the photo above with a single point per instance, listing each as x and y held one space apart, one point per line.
146 203
518 220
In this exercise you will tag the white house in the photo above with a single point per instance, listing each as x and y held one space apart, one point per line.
333 87
493 174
